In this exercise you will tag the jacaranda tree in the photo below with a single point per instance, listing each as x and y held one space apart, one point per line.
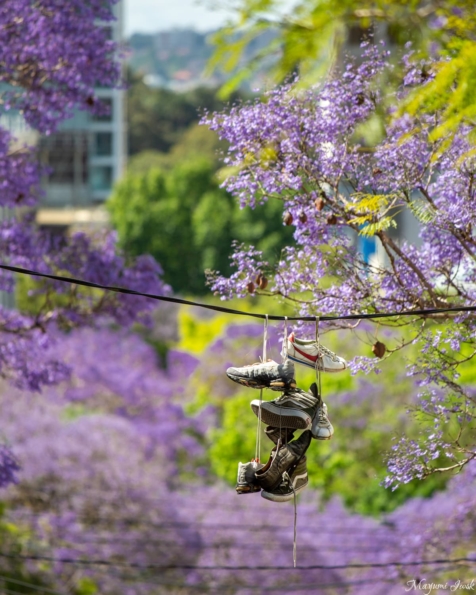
307 149
52 57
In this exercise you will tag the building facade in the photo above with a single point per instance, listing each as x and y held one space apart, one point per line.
86 156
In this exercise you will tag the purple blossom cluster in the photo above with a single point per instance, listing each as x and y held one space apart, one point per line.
52 61
25 346
247 261
412 459
308 149
101 453
19 174
53 57
9 467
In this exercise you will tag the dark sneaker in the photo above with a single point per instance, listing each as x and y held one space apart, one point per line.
321 426
269 374
291 484
246 482
276 434
312 355
294 409
282 459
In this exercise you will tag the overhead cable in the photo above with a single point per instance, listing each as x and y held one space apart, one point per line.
99 562
165 298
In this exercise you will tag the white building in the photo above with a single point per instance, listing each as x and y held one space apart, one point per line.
86 155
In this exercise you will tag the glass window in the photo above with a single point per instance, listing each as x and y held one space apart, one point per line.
103 144
66 156
100 177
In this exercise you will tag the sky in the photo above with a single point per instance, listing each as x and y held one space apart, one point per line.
148 16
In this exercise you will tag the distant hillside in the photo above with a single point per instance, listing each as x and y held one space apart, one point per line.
176 59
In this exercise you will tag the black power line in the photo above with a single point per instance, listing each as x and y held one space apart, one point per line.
144 521
99 562
164 298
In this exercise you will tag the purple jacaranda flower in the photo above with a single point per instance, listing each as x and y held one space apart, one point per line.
9 467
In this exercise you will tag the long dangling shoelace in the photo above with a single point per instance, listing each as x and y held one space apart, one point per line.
258 427
285 474
285 354
289 481
318 370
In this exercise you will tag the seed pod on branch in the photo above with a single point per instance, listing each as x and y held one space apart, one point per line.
258 278
288 218
319 203
303 217
379 349
250 287
263 284
331 219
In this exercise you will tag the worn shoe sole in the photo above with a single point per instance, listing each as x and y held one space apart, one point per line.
247 489
303 362
277 384
275 416
317 437
282 497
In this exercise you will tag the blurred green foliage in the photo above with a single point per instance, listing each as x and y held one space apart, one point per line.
185 220
157 119
170 204
20 578
86 586
196 334
195 142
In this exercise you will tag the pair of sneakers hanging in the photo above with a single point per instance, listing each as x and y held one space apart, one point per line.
284 475
295 408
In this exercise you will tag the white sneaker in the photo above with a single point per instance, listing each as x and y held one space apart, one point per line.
322 428
312 355
245 482
268 374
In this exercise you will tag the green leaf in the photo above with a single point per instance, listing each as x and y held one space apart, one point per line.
369 203
372 228
86 586
423 211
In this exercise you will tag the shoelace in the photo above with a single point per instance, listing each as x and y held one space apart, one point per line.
328 352
258 427
287 480
321 416
307 399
